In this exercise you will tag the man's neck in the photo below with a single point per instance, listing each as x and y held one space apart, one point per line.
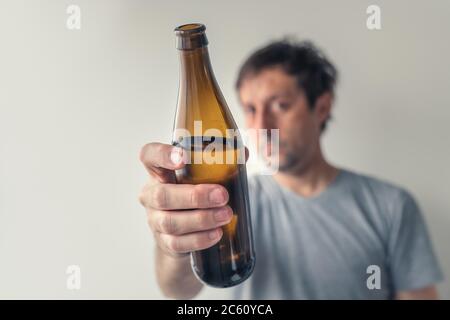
311 180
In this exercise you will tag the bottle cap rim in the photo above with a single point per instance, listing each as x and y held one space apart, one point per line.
190 29
191 36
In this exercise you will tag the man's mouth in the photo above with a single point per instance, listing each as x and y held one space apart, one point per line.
269 150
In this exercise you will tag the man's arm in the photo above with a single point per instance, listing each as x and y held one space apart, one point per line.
175 276
414 266
183 218
427 293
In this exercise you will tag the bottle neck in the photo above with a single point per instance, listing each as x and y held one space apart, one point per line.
195 68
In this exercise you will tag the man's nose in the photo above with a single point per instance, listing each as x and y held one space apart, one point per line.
265 120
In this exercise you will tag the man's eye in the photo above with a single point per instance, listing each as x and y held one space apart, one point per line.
250 110
280 106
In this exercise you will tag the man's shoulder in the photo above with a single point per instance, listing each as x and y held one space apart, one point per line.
357 185
389 194
380 185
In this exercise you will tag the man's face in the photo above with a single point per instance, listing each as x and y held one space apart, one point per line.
272 99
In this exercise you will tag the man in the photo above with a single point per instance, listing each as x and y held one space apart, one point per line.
317 228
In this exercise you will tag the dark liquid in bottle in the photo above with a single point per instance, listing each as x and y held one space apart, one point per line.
231 260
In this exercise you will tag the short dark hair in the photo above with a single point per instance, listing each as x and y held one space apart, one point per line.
314 72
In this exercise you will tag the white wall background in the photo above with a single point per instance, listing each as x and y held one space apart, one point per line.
76 106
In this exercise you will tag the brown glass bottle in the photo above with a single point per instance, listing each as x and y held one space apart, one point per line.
215 155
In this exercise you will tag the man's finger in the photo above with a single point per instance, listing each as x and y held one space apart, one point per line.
192 241
188 221
184 196
159 155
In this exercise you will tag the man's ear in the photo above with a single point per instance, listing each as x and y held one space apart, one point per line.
322 107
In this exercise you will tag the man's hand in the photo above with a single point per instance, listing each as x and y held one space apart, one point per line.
182 217
427 293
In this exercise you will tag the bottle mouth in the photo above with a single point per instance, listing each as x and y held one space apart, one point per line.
191 36
189 29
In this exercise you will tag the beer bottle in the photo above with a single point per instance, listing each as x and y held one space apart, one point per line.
207 132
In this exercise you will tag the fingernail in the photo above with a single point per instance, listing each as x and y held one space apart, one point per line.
176 156
217 196
222 215
213 234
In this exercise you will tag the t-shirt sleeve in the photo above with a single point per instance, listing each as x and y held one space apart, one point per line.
412 261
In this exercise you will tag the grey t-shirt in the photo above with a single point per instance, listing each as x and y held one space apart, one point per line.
321 247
